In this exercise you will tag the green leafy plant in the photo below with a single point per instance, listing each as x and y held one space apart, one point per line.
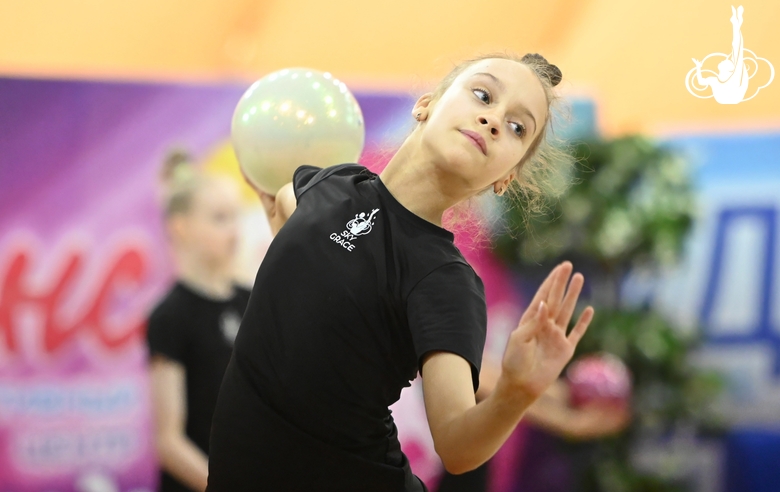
630 205
631 201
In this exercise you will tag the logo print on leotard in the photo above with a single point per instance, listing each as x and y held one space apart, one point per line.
361 225
229 323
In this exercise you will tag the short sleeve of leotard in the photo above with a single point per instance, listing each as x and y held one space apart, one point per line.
446 311
165 336
302 177
307 176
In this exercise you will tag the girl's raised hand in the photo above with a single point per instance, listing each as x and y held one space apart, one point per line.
539 348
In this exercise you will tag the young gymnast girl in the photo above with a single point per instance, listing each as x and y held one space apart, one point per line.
191 329
362 288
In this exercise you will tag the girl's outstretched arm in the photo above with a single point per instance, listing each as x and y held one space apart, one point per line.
467 434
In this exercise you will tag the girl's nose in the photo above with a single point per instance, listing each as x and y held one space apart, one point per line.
483 120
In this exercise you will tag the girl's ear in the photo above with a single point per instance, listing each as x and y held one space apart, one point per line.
422 104
507 181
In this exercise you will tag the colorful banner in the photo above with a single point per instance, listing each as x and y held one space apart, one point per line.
83 257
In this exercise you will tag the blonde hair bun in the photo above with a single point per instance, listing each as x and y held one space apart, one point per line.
179 178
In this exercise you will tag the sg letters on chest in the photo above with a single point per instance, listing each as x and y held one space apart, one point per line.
344 239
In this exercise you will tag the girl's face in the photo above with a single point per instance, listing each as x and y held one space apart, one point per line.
484 122
210 230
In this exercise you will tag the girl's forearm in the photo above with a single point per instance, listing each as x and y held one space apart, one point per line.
474 436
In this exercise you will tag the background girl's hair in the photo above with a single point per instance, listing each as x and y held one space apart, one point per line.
180 180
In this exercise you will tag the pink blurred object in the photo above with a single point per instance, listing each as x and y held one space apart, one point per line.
599 378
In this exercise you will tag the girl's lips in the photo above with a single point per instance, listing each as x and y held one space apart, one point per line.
477 139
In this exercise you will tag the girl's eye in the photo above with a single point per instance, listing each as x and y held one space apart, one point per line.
483 95
519 129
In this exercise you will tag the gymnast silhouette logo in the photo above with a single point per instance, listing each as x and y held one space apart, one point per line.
730 84
361 225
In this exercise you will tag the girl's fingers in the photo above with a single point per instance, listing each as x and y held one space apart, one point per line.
269 202
541 293
582 325
558 286
570 301
541 316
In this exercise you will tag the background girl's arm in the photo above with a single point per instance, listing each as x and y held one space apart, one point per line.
552 411
178 455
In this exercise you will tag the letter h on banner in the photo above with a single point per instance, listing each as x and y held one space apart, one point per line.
729 220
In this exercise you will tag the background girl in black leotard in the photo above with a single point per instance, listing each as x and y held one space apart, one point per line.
191 330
